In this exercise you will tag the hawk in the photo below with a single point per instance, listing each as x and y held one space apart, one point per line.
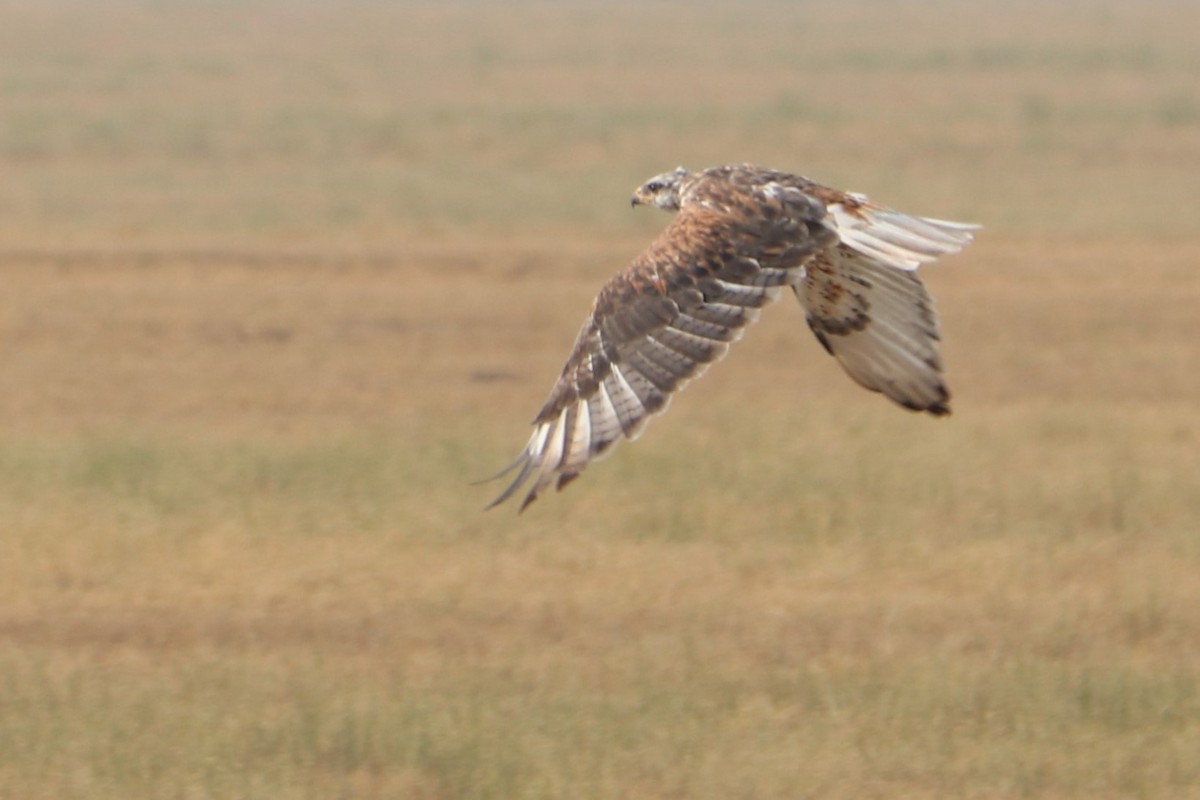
741 234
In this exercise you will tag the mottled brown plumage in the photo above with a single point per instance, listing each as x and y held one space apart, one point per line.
741 234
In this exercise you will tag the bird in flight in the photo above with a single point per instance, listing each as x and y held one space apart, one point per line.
741 234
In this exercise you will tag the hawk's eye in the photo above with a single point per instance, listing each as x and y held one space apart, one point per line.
654 186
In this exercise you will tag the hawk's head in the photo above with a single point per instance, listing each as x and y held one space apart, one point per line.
661 191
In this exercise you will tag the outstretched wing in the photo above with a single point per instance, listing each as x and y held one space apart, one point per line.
866 305
664 319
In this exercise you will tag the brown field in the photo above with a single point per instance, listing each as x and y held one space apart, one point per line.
282 279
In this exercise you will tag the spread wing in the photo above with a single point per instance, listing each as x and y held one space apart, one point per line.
866 305
664 319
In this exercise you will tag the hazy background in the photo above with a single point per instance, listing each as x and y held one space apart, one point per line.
281 279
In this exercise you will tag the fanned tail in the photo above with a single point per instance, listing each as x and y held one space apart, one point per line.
897 239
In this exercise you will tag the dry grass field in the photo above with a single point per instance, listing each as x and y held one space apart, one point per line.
281 279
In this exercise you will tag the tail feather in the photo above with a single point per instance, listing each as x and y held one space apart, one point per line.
897 239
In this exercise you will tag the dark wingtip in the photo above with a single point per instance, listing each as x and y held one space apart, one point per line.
941 407
938 408
526 464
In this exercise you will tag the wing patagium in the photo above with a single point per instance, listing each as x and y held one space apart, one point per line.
741 234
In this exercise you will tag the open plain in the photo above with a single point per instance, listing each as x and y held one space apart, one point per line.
281 280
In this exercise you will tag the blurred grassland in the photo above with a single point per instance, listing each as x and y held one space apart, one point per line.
281 279
389 120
